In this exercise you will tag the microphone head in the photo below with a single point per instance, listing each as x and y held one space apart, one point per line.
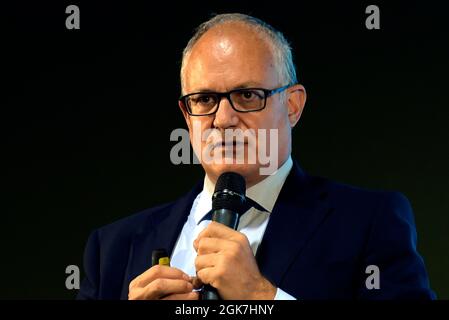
229 193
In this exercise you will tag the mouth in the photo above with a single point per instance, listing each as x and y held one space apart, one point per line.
225 145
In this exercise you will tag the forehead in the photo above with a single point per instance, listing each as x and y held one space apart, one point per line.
228 55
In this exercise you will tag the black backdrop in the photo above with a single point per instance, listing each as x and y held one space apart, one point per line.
87 114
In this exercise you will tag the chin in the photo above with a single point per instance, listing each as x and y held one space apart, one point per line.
248 171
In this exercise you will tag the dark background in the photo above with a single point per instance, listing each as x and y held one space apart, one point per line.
86 117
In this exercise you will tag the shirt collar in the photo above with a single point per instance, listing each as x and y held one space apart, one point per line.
264 193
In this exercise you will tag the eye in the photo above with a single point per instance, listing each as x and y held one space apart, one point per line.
203 99
248 94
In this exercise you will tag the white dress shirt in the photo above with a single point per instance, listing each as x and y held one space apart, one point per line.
252 223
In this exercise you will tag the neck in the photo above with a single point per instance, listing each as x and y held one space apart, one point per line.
251 180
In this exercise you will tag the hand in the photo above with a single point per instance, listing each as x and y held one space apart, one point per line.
225 261
164 283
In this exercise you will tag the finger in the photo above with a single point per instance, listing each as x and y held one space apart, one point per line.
158 271
197 283
213 245
206 261
194 295
162 287
219 230
206 275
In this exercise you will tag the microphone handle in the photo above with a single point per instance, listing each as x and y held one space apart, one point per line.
209 293
228 218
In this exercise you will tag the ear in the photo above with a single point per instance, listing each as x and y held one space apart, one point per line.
184 113
296 100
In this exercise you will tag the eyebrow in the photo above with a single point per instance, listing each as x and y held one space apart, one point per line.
243 85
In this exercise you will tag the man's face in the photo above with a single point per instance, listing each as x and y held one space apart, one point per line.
228 57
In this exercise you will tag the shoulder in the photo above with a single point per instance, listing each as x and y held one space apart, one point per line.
129 225
345 193
365 203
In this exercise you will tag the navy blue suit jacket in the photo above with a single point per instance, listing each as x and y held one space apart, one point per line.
318 243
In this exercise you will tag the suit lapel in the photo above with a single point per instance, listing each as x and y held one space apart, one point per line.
298 212
160 231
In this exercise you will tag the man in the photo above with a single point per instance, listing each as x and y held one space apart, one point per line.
307 238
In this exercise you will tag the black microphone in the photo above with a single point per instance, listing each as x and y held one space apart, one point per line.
228 203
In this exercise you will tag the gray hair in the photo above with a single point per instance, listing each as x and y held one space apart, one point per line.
280 47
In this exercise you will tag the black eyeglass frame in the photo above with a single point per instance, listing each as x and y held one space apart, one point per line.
267 93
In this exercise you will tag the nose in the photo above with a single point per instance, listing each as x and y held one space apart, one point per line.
226 116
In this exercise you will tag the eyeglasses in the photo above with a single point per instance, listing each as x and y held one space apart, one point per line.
241 100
